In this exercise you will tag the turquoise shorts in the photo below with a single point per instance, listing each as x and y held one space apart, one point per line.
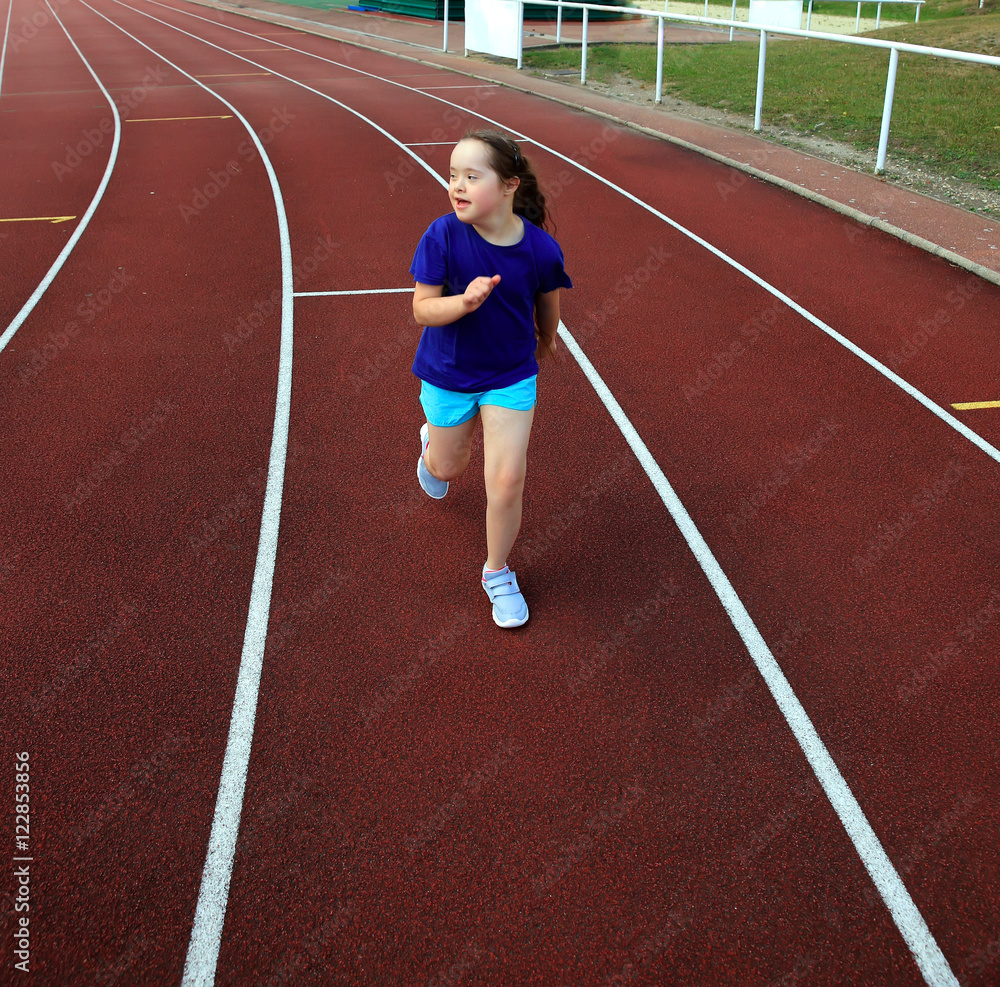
445 409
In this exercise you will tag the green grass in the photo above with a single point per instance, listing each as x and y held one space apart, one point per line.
946 115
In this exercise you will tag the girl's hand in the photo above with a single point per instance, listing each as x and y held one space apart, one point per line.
478 291
547 347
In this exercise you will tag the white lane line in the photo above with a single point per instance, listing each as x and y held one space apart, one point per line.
357 291
213 895
904 911
3 51
29 305
280 75
482 85
876 365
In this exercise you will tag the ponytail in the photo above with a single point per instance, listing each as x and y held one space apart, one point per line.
506 159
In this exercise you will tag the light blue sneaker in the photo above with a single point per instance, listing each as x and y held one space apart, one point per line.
509 608
429 483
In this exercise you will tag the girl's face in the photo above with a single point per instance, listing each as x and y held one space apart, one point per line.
477 194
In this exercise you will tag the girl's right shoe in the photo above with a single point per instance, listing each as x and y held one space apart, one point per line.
429 483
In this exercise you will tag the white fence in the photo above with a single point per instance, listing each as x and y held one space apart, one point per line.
764 30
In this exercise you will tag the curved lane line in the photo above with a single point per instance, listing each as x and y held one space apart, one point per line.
906 916
932 406
57 264
3 51
876 861
213 895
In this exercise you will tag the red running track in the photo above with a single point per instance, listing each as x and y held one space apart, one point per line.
610 795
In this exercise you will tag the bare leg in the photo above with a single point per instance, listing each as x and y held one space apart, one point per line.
448 453
505 452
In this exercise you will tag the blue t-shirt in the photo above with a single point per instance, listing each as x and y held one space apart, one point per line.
495 345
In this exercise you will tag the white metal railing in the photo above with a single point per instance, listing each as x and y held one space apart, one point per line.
917 4
894 47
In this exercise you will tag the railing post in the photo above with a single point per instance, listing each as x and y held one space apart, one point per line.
659 59
761 58
706 8
583 56
520 34
809 15
857 20
890 89
444 44
732 17
878 15
559 23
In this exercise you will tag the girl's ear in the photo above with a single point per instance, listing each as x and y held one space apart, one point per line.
510 187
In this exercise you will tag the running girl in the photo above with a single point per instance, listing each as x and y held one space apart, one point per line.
487 290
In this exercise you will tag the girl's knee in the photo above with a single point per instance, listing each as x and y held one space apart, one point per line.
449 466
505 484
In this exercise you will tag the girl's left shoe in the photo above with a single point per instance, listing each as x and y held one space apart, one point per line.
509 608
429 483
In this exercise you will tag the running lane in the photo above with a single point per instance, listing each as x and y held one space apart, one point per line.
56 131
635 267
133 489
610 793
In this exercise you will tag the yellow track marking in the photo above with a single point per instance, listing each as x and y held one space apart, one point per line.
37 219
976 405
232 75
226 116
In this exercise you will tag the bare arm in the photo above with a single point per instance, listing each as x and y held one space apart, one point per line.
431 308
547 322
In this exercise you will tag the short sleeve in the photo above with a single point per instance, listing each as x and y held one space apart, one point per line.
430 264
551 271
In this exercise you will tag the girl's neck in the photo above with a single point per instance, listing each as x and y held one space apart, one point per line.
505 232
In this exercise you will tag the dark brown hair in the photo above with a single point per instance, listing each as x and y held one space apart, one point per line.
506 159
